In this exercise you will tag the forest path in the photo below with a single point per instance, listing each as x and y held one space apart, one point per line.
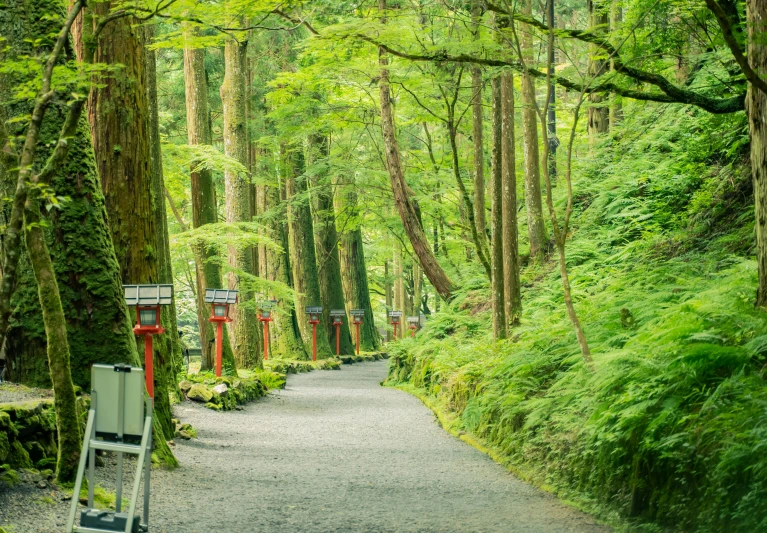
336 452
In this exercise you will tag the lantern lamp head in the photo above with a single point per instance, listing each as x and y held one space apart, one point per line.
220 300
147 299
357 315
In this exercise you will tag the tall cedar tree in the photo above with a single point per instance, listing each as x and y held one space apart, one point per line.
244 332
326 243
204 209
496 194
511 287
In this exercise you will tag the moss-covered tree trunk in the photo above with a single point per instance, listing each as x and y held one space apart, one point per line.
536 228
303 259
511 285
169 360
247 342
496 194
118 112
477 134
285 338
599 110
67 422
756 107
326 243
204 210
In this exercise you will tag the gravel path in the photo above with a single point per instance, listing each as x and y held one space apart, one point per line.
335 452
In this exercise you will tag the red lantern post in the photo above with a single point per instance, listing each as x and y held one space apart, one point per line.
148 299
338 321
413 322
314 313
358 316
265 316
220 300
395 316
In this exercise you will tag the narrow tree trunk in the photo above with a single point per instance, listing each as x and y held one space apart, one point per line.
439 280
203 204
479 149
598 110
303 259
244 335
399 287
326 244
511 288
533 201
67 420
756 107
616 105
497 282
389 290
552 118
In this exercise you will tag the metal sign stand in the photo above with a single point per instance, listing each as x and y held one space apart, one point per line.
116 415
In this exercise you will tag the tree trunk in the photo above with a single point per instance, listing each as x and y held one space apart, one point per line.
353 268
497 282
479 149
552 118
756 108
326 244
118 111
399 287
598 110
439 280
244 335
169 359
303 260
204 210
616 105
533 201
286 340
511 288
389 290
67 420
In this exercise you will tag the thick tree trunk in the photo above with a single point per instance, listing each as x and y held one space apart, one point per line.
303 260
67 420
497 282
353 268
244 335
326 244
599 18
169 359
533 201
756 107
204 209
410 220
511 288
286 340
118 111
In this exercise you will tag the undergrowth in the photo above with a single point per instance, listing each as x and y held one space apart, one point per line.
669 431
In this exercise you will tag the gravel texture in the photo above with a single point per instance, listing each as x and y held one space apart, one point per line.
333 452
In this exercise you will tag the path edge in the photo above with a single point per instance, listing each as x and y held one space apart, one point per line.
449 422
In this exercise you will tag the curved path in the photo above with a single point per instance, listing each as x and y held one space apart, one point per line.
336 452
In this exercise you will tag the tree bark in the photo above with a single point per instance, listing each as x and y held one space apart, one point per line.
169 360
67 420
756 107
353 267
439 279
497 282
286 338
616 101
204 209
118 112
598 110
536 228
244 331
552 112
511 284
303 259
326 243
476 123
